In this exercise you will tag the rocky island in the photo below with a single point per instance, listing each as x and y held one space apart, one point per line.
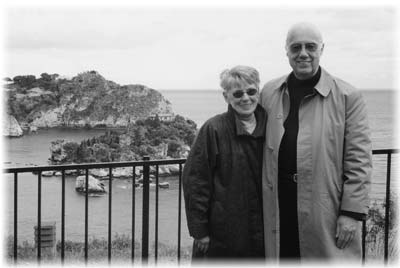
138 120
87 100
152 137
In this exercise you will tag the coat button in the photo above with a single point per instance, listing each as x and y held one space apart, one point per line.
269 185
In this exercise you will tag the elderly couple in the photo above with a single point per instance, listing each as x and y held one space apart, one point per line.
283 174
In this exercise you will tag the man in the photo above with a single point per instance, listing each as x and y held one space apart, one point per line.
317 158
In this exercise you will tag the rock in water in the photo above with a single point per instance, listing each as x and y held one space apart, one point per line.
101 173
94 185
47 173
11 127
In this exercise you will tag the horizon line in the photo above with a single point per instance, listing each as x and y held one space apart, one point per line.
219 89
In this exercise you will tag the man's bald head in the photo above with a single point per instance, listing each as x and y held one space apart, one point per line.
306 29
304 48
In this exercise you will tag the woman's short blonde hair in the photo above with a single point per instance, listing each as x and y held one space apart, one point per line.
238 76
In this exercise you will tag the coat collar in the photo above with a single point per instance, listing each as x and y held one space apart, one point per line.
323 87
261 117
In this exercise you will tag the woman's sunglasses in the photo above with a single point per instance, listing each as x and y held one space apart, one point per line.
239 93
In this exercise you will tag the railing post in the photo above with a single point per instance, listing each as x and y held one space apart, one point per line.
156 221
363 234
86 214
179 212
39 216
133 213
15 217
145 217
109 215
387 207
63 217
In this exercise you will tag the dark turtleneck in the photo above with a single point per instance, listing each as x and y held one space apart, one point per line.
287 166
298 89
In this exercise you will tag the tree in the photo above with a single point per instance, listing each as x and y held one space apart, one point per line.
101 153
26 81
139 135
173 148
157 121
45 77
83 153
70 149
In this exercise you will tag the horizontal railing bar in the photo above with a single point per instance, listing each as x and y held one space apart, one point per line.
128 164
94 165
385 151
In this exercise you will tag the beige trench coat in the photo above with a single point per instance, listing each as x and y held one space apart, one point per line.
333 161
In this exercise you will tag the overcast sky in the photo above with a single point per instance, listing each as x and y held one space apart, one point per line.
187 48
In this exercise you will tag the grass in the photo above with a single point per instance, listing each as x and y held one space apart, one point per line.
167 254
97 252
375 244
121 246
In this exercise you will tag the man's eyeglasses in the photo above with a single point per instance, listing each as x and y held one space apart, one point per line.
297 47
250 92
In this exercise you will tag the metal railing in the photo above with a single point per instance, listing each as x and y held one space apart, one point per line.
388 153
146 164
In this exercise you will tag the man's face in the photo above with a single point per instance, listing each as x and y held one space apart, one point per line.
243 99
304 49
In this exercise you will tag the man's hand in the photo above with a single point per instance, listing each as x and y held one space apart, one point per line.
345 231
202 244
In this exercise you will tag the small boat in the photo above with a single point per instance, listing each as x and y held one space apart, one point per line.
98 173
70 172
163 185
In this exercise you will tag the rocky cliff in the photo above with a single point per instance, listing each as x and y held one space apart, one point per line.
86 100
11 127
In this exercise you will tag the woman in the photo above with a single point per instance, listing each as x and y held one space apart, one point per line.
222 175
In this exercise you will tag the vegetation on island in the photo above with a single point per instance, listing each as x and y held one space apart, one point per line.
19 86
87 99
152 137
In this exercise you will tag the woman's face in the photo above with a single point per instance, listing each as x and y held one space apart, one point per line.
243 99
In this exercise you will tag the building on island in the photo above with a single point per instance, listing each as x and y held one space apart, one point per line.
163 117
